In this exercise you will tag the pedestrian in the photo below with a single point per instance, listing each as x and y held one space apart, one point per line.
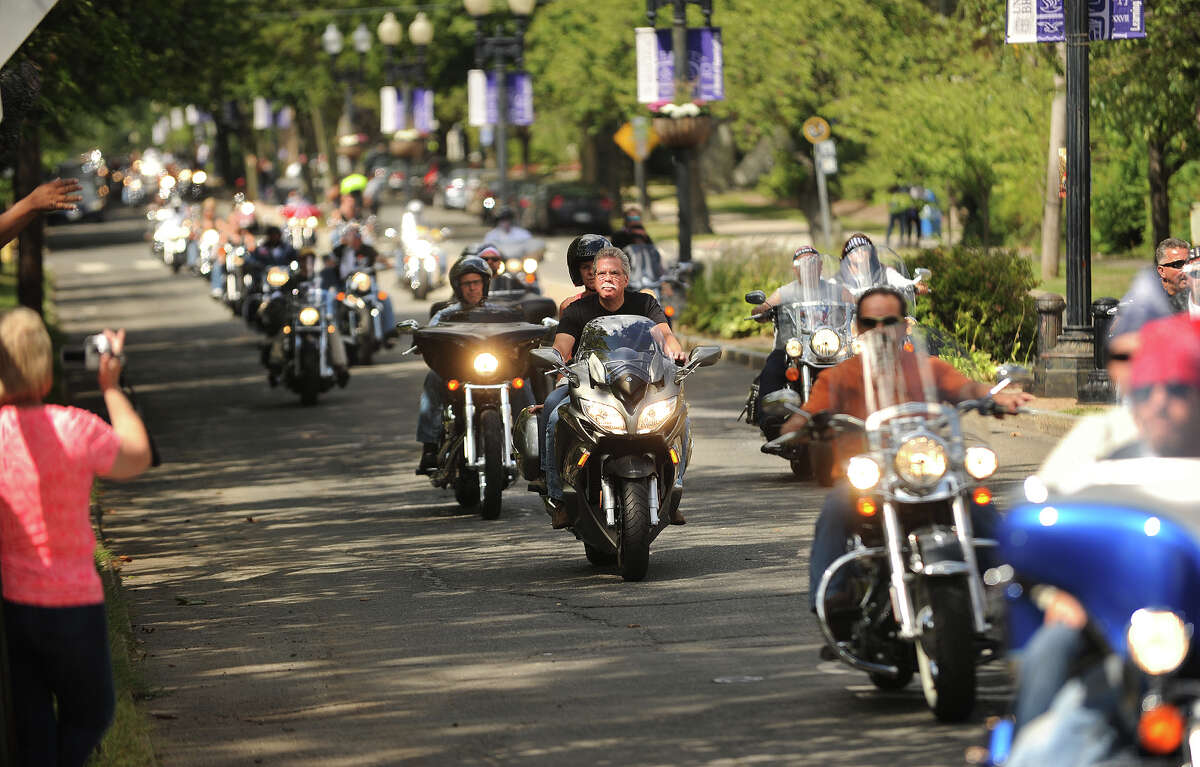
912 215
58 194
897 199
59 663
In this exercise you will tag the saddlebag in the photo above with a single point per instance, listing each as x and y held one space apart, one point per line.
525 440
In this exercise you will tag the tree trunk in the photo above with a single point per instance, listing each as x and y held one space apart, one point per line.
1160 200
29 252
700 221
1052 202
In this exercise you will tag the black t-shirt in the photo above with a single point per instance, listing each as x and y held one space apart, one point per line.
588 308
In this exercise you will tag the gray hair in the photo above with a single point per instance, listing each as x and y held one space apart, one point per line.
615 252
1169 244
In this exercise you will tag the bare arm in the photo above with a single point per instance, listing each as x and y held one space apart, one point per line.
133 454
53 195
564 344
671 344
772 301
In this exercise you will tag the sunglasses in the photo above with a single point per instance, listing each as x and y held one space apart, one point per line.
867 323
1120 356
1142 394
1174 264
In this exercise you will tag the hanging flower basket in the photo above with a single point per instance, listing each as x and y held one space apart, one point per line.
407 143
683 132
351 144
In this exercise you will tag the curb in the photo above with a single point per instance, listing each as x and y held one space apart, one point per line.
1054 425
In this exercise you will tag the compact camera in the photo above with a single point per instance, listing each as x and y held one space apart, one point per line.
94 347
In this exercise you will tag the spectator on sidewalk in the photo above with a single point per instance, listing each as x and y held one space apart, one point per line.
58 194
59 664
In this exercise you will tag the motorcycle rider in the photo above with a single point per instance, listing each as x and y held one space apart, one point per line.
806 265
506 232
612 277
580 256
861 267
840 390
633 232
347 257
275 308
470 278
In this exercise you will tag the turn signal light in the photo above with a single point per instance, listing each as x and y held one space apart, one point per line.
383 295
867 507
530 278
1160 730
792 374
982 496
518 383
583 458
669 311
453 384
287 329
908 347
674 456
341 296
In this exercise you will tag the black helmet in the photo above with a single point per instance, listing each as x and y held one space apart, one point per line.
469 265
583 249
506 214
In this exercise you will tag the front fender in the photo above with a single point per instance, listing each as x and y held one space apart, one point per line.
630 466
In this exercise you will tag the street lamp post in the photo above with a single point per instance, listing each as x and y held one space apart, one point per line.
410 71
502 49
333 41
683 156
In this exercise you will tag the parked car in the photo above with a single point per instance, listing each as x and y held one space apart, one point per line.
570 205
459 186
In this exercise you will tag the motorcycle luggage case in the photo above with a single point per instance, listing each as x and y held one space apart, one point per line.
525 440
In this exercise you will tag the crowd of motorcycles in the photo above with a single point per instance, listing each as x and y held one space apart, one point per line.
924 606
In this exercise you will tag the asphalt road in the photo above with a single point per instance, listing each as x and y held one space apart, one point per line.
302 598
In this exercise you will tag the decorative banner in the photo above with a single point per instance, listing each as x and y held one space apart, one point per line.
422 110
520 98
262 114
284 117
191 115
158 134
1044 21
656 64
477 112
388 110
176 118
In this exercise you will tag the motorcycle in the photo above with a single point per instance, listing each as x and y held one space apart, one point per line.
300 224
622 440
481 355
237 281
1123 540
361 316
669 286
307 334
422 263
918 600
170 240
208 243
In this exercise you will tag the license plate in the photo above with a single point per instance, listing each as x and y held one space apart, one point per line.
583 217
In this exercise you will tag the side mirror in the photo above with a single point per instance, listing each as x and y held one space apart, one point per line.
756 297
703 356
549 322
546 358
781 404
407 326
923 274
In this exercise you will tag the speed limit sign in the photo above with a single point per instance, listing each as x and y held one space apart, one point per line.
815 130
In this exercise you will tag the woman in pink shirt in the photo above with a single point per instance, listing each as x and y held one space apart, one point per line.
60 669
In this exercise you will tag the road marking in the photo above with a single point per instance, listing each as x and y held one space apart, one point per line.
146 264
93 267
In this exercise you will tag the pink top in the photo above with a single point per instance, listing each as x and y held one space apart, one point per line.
48 457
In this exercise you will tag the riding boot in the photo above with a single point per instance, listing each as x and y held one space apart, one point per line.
429 458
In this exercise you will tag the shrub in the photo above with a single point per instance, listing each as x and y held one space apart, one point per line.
716 301
981 299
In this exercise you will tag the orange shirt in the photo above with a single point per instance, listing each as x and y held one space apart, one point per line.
840 388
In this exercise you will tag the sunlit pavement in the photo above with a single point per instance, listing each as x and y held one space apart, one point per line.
301 598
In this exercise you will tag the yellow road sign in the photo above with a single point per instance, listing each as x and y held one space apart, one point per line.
627 138
815 130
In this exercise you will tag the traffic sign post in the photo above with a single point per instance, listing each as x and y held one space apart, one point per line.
637 138
816 130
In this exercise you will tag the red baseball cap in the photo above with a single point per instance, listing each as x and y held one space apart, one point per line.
1169 353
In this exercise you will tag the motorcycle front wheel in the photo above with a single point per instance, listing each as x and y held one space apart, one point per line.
466 489
310 375
492 433
633 545
946 656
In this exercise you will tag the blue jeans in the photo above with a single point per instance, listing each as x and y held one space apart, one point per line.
833 529
433 401
59 655
218 276
193 253
1045 667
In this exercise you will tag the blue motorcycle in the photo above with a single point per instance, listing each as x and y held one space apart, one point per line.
1124 541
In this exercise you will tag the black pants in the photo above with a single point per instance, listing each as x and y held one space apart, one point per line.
771 379
59 655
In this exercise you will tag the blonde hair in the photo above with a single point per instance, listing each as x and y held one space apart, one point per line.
26 364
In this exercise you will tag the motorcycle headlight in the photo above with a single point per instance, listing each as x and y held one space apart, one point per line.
311 222
530 265
277 276
360 282
513 264
309 316
238 260
210 238
247 209
166 182
199 177
656 415
980 462
486 363
863 472
793 347
1158 640
921 462
605 416
825 343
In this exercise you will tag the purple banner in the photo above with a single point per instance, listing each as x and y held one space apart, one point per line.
706 65
422 110
519 87
1043 21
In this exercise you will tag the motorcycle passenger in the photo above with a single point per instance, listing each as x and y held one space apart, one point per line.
1164 387
633 232
505 231
840 390
806 264
470 278
861 267
580 256
612 277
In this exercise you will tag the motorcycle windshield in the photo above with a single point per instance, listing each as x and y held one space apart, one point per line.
645 266
896 367
872 266
620 337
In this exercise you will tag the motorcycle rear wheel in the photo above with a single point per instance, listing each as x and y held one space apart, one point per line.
633 545
492 433
948 677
